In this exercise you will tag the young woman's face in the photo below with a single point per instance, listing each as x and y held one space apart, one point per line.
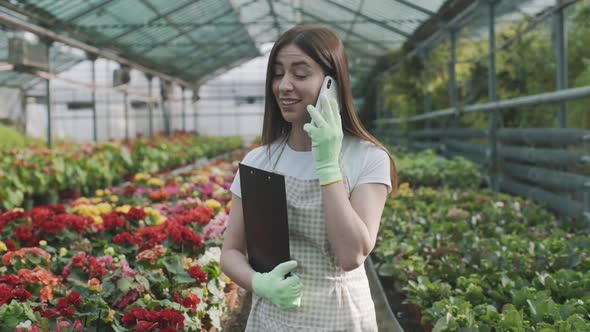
296 82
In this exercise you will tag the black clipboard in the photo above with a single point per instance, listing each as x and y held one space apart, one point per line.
264 204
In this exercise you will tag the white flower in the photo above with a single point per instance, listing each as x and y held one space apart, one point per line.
215 315
214 290
25 325
516 206
212 254
499 204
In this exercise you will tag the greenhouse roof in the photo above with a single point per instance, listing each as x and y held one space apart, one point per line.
193 40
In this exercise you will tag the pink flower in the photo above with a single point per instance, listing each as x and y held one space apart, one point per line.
216 227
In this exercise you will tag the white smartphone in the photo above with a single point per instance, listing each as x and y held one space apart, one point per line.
330 89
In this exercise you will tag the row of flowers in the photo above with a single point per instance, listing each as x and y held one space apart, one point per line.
484 261
141 256
46 175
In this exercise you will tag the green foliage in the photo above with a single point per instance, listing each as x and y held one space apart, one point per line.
14 139
428 169
525 66
483 261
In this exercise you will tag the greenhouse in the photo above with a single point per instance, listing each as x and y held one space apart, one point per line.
295 165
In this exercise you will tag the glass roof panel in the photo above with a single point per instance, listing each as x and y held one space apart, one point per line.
191 39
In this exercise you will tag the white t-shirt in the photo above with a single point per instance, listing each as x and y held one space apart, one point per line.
363 161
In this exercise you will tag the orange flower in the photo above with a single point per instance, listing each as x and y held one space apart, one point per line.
94 284
7 258
46 294
160 195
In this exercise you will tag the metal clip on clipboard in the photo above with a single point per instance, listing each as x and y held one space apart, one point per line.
264 203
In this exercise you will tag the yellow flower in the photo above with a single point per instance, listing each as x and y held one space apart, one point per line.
99 192
96 200
155 182
141 177
228 205
86 210
160 220
184 188
151 211
114 198
187 262
3 246
104 208
213 204
98 220
18 210
63 252
125 208
202 178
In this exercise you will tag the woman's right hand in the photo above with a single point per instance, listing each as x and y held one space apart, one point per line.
285 293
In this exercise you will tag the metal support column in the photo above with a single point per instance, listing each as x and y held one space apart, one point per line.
23 106
561 58
453 78
183 108
164 91
425 55
92 58
126 112
48 105
150 105
495 114
49 42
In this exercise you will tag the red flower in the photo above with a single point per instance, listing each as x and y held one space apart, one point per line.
8 294
190 301
11 280
171 318
112 220
79 260
131 297
136 214
126 237
75 299
10 245
196 273
25 235
144 325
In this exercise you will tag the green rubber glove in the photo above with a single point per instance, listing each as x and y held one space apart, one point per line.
325 130
285 293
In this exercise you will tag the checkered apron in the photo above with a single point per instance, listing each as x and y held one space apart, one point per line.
332 299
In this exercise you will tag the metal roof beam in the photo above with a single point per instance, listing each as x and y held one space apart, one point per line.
167 19
170 12
416 7
219 41
354 19
321 20
370 19
196 60
274 16
88 11
18 23
204 23
210 56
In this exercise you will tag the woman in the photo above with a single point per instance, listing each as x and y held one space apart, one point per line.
337 178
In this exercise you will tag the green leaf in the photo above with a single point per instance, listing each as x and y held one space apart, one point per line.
174 264
143 281
125 284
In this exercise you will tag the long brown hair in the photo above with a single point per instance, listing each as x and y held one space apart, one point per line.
324 47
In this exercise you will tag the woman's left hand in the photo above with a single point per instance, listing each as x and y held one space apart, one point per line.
325 130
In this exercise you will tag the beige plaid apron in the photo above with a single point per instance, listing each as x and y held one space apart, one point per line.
332 299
